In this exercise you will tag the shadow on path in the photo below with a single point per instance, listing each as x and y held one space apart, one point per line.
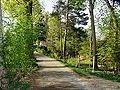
53 75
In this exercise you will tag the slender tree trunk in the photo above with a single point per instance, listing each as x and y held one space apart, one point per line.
116 29
91 43
31 44
91 5
64 46
65 34
61 40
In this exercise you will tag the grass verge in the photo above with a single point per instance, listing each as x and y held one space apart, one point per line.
85 70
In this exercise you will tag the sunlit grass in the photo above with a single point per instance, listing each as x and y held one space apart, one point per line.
85 70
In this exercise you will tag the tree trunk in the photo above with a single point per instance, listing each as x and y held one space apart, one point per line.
31 44
61 40
64 46
116 29
65 34
91 49
91 5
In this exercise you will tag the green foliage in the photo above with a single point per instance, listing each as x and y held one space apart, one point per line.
71 62
21 32
53 36
14 85
53 33
85 72
17 63
107 76
76 36
57 24
85 48
108 53
86 62
74 39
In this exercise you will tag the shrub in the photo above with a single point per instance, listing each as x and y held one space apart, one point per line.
72 62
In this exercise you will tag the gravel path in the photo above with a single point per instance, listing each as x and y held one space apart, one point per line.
55 76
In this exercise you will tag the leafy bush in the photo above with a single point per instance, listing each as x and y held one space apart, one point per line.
15 85
17 54
72 62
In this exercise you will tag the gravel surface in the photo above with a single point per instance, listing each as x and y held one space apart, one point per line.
53 75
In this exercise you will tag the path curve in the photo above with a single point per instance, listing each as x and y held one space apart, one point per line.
55 76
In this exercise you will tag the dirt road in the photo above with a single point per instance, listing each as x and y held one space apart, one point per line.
55 76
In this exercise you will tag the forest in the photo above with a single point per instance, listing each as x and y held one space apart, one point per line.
82 34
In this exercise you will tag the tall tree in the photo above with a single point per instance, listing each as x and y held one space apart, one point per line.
91 8
65 33
58 13
53 34
70 15
116 30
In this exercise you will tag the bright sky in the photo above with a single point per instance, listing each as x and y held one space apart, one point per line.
48 4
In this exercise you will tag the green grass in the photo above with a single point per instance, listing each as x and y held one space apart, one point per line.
82 71
85 70
107 76
87 62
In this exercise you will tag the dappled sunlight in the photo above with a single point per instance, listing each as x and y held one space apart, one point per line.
56 76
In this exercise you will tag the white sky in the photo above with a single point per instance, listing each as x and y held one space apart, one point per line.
48 4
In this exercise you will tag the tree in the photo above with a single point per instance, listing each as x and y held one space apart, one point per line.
91 6
68 16
53 35
76 37
106 42
116 34
66 30
58 11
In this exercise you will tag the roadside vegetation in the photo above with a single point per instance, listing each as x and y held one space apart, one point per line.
85 70
22 24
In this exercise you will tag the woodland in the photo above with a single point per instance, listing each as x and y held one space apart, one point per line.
82 34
